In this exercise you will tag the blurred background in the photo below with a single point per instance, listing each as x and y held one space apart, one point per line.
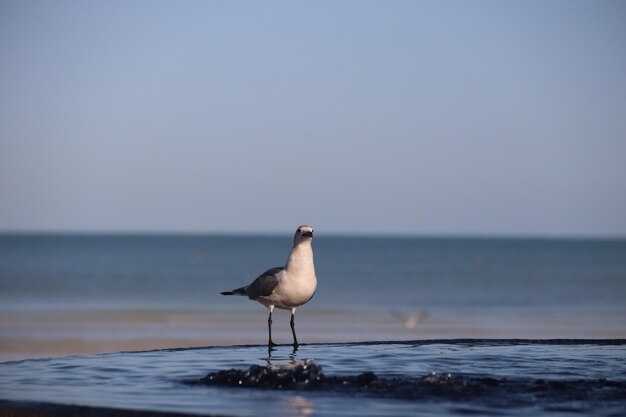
463 164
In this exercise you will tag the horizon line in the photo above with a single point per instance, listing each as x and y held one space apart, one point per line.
270 233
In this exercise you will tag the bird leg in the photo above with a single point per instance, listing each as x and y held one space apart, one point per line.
292 322
270 343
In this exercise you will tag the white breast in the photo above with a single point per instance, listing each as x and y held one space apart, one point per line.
297 282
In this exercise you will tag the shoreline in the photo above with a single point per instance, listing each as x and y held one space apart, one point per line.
413 342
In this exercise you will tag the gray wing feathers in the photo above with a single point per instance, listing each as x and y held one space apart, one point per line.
264 284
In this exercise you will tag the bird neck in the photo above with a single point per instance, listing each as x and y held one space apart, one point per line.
301 258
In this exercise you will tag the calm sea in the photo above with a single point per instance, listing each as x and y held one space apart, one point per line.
353 272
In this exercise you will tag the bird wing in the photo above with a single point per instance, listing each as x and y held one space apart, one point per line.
264 284
398 315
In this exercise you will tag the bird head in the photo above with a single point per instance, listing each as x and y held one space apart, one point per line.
303 234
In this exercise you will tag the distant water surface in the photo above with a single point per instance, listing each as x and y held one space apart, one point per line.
126 270
64 294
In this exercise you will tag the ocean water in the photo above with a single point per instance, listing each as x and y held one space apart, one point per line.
353 272
83 294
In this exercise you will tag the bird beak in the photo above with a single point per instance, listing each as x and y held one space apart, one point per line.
307 234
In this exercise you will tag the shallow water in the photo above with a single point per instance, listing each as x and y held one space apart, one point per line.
594 372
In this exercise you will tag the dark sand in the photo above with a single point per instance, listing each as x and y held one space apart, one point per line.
35 409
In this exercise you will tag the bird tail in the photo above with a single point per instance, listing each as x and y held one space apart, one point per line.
238 291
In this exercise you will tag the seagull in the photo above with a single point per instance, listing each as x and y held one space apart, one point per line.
409 320
286 287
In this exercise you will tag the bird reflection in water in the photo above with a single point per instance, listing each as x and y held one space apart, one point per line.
277 359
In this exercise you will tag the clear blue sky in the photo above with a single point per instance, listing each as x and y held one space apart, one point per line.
442 117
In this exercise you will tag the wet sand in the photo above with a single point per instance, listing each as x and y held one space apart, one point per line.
41 332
